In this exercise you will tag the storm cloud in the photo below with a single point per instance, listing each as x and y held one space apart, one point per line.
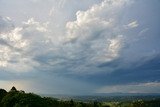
103 44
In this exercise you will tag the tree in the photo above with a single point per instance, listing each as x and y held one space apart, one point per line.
13 89
2 93
71 103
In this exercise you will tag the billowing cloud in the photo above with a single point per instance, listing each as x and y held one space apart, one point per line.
94 38
31 23
15 51
11 42
96 33
107 42
99 18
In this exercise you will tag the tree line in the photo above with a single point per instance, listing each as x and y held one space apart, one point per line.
18 98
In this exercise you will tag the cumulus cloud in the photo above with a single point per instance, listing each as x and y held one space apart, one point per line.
98 18
96 36
148 87
17 44
73 38
36 25
11 42
115 45
12 54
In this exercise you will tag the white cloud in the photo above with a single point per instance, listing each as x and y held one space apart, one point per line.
80 38
142 32
148 87
95 37
95 33
133 24
17 44
32 24
99 17
5 24
12 43
4 56
115 46
61 3
52 11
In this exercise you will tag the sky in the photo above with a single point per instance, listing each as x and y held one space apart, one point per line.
80 47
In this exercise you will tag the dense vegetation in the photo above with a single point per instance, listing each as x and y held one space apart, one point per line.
15 98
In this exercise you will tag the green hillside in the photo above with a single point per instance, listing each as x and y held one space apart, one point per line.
18 98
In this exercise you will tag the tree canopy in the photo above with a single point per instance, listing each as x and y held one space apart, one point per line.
16 98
